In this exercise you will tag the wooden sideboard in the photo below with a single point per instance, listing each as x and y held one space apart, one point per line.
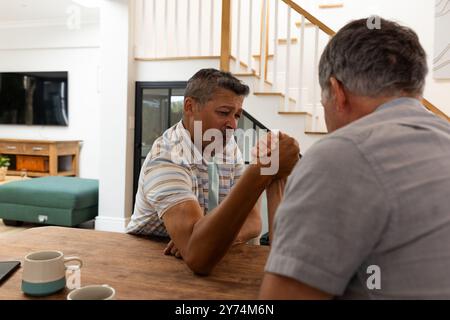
50 153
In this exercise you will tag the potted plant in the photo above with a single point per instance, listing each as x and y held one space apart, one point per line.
4 164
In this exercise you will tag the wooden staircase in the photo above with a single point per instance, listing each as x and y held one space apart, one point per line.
274 67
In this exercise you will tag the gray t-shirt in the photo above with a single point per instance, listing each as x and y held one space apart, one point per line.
374 193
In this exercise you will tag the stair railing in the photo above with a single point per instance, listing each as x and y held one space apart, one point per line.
286 62
177 29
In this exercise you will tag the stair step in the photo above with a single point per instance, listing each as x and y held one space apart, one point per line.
249 74
308 24
273 94
331 6
177 58
253 74
284 41
258 56
243 64
320 130
294 113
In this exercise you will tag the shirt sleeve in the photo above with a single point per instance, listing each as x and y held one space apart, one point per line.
166 185
332 217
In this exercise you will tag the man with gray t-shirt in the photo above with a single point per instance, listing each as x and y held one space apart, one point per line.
366 212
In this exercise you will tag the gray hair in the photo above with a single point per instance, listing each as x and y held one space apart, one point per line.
205 82
375 62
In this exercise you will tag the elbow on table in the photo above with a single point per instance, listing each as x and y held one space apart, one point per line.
256 232
199 266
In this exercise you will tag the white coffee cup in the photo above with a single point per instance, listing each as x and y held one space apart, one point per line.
44 272
93 292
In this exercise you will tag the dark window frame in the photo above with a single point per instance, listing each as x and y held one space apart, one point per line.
140 87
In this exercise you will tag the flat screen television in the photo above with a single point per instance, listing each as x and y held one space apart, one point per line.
34 98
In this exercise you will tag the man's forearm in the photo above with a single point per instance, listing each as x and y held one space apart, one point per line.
252 226
274 192
215 233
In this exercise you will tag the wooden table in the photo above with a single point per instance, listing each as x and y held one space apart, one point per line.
136 267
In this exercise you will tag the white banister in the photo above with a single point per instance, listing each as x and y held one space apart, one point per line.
140 43
315 80
188 26
238 36
264 44
250 30
175 36
200 18
301 99
288 59
154 30
166 27
275 47
211 28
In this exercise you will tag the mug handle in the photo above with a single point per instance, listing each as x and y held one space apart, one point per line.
68 259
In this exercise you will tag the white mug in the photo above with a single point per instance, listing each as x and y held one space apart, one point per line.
44 272
93 292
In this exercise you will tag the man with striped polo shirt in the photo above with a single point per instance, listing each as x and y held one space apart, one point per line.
193 187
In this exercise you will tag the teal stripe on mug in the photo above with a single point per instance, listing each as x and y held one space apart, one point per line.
43 289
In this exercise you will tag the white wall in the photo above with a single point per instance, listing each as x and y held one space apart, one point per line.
171 70
56 48
117 115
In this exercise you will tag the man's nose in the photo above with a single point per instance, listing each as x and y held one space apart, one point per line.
232 123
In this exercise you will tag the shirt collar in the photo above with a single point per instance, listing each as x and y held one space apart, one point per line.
409 102
226 156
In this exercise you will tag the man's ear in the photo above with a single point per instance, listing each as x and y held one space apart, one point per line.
189 105
339 94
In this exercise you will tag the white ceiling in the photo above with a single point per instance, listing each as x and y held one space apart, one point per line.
17 11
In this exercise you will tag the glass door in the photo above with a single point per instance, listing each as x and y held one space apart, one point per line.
159 106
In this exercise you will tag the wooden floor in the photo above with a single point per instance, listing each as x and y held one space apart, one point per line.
5 230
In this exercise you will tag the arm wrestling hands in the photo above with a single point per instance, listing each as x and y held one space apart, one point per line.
201 240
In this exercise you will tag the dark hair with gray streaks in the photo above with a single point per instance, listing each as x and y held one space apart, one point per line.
375 62
205 82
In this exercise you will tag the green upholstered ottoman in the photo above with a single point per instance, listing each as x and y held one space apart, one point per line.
63 201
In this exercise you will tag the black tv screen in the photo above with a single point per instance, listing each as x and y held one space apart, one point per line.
34 98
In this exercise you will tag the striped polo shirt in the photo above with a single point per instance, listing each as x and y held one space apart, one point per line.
175 171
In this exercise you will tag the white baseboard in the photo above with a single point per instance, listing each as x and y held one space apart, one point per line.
111 224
